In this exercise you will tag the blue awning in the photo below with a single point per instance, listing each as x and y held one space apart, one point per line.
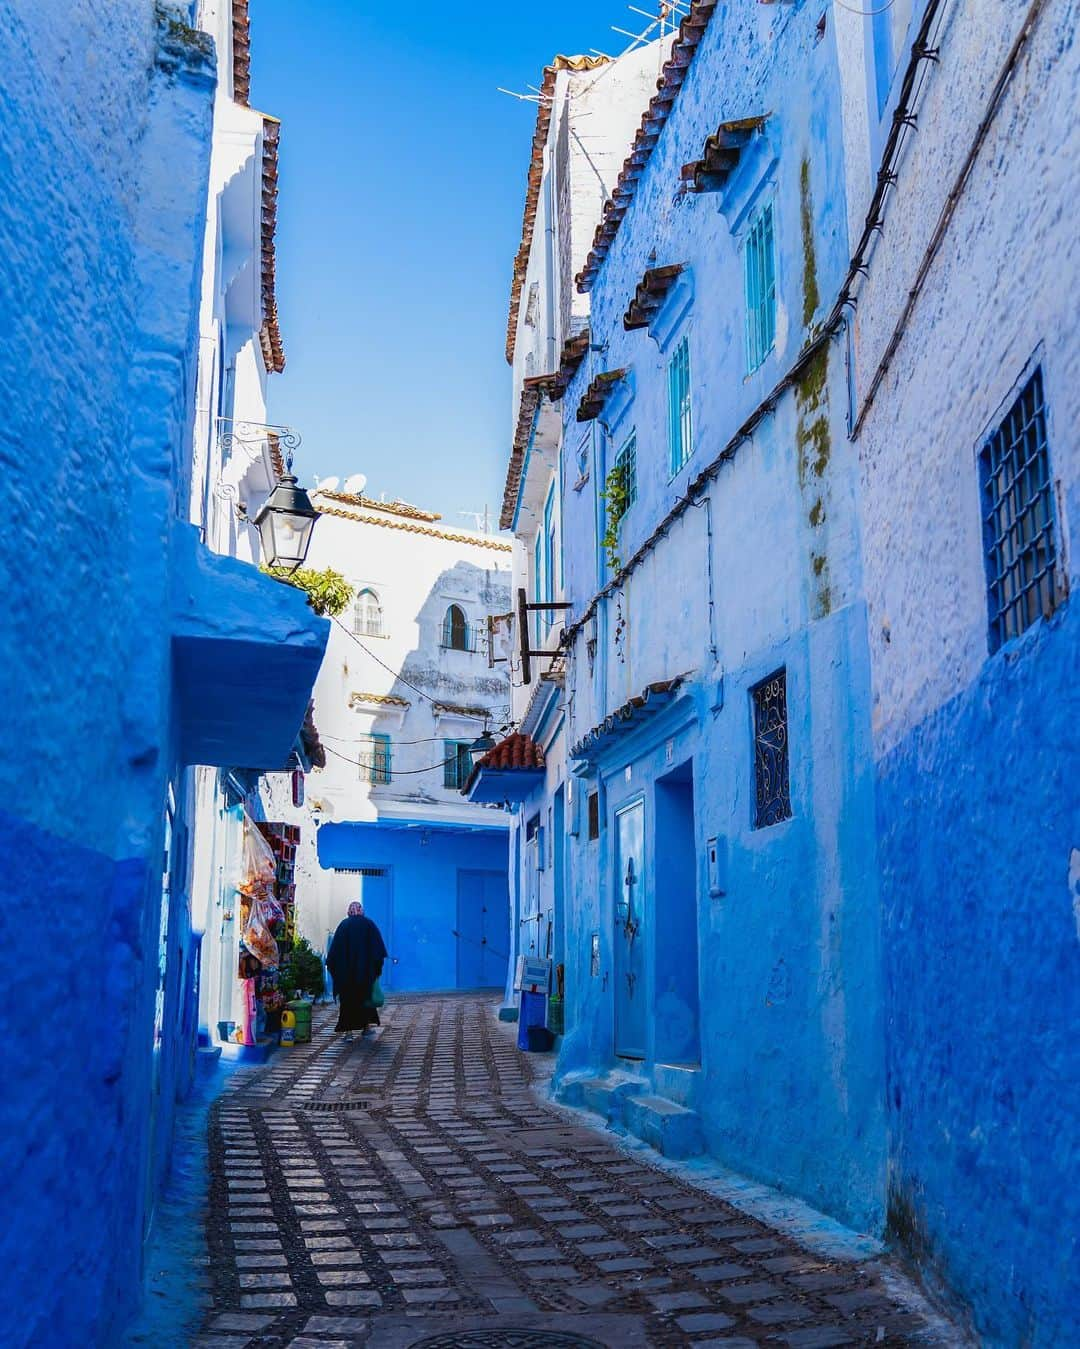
246 652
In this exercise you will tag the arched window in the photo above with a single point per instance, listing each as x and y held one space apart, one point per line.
367 614
455 629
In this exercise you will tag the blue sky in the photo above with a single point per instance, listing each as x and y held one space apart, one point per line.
402 187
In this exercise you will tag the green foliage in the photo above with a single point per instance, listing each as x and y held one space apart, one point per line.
328 591
617 495
302 971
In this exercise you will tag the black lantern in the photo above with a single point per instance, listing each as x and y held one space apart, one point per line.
481 745
285 521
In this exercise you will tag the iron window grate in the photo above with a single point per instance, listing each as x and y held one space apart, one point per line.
1018 517
457 763
772 783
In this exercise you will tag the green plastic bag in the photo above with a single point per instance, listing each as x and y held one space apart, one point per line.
378 997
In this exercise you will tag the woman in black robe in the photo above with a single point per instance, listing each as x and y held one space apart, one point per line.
355 961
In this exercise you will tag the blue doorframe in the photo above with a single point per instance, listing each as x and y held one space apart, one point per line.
631 923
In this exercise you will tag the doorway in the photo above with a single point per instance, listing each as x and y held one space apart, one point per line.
483 929
631 914
676 987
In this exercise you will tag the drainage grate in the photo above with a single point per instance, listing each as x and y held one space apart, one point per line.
507 1337
324 1106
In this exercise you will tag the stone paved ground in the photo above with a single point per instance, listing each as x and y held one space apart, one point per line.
404 1190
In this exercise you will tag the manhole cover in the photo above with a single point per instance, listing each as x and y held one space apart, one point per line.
507 1337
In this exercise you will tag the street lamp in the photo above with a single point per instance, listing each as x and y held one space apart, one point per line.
481 745
285 521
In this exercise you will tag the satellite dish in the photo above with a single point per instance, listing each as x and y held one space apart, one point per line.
327 484
354 485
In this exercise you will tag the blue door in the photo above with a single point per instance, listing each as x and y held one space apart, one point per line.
483 929
377 896
629 936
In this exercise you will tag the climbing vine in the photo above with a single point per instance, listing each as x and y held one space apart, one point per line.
328 591
616 494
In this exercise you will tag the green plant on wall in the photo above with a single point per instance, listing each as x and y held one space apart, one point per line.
328 591
616 495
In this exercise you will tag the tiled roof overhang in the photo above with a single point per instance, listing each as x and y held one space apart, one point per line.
654 698
403 508
241 52
512 769
497 545
270 332
574 351
535 177
596 395
649 296
720 155
691 31
531 395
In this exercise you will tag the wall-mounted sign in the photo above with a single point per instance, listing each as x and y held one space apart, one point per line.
533 974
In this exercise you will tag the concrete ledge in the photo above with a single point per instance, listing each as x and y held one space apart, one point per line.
671 1129
257 1053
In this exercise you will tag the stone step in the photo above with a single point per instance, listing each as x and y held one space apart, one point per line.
671 1129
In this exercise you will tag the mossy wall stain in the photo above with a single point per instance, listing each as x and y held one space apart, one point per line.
813 443
811 295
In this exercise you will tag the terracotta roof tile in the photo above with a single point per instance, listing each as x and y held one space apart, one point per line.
596 395
531 394
649 296
516 751
691 31
498 545
535 177
270 333
720 155
404 508
241 52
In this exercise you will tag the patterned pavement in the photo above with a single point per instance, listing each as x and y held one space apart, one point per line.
413 1190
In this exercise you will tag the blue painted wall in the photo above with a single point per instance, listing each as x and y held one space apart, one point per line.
764 573
983 985
423 884
104 164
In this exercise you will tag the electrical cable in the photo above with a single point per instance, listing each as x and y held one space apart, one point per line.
469 716
383 768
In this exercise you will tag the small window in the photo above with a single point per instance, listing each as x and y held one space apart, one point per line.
772 788
680 424
759 265
375 760
1018 518
457 763
367 615
625 480
456 633
594 815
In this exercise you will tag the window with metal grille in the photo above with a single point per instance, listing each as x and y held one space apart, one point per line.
1018 518
457 762
680 422
759 268
375 756
626 467
367 615
594 814
772 786
456 633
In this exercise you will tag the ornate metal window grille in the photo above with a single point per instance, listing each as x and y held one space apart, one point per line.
626 463
759 268
772 785
375 760
457 635
680 420
1018 518
457 763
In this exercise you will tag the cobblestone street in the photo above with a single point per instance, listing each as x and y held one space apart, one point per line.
411 1189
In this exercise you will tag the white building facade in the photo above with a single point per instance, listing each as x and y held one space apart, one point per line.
405 690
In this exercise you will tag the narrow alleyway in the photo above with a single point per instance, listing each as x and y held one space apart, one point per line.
409 1189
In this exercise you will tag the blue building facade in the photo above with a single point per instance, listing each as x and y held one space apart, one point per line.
809 723
122 631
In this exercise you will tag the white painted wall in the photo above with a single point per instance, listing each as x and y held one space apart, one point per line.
417 569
